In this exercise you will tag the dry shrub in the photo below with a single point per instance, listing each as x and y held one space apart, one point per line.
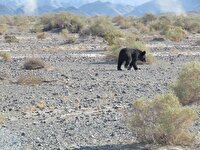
122 22
29 80
6 56
163 121
148 18
33 64
41 104
187 87
22 22
2 118
11 39
42 35
70 38
189 23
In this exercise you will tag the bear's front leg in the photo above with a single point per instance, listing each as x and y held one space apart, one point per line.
135 66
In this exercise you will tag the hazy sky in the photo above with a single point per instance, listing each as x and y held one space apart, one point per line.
130 2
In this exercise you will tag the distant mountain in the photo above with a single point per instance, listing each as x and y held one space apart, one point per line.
160 6
105 8
101 7
6 10
150 7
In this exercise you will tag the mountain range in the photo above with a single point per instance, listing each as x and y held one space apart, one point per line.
92 7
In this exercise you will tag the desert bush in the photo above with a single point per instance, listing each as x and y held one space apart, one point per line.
175 33
103 27
42 35
29 80
122 22
187 86
10 39
37 28
65 33
191 24
70 38
148 18
22 23
61 21
163 121
5 55
3 28
33 64
162 24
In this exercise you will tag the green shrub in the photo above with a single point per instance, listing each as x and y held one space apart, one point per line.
3 28
103 27
163 121
187 87
36 28
175 34
191 24
5 55
162 24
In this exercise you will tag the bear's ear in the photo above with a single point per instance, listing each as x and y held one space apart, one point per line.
144 52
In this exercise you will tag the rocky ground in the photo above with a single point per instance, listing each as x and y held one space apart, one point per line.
85 101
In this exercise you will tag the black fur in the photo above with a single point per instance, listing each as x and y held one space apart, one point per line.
130 56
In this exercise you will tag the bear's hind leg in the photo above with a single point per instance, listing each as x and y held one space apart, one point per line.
127 63
120 62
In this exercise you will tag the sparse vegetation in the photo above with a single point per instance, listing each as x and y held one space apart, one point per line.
175 34
33 64
29 80
3 28
10 39
5 56
70 38
2 118
187 87
163 121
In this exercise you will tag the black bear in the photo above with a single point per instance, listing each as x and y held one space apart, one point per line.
130 56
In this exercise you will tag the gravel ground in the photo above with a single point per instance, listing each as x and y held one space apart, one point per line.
85 102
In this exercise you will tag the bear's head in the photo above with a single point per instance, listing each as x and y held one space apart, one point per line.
142 56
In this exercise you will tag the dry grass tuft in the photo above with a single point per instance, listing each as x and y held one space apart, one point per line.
6 56
33 64
2 118
29 80
42 35
11 39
